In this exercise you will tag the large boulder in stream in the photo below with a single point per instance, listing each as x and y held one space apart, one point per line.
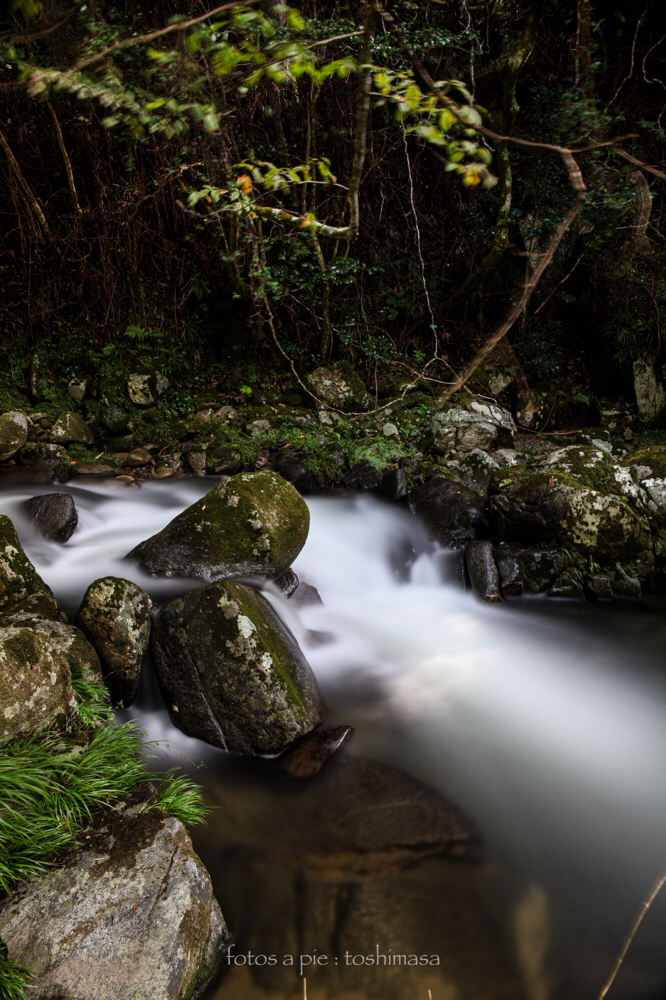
231 673
252 524
115 617
130 915
556 508
13 433
35 684
54 515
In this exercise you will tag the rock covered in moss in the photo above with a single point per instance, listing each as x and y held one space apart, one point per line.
338 389
18 577
70 428
252 524
593 467
452 513
649 389
554 508
231 673
115 617
35 683
54 515
37 451
140 918
43 614
476 468
13 433
479 425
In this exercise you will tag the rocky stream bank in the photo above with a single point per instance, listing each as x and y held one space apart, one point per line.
577 516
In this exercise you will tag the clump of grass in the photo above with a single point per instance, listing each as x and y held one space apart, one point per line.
13 977
51 785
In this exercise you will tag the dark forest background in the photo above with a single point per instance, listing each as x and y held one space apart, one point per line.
106 247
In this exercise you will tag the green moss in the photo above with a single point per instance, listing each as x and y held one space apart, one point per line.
654 458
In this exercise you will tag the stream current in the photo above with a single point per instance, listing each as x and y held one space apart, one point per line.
543 720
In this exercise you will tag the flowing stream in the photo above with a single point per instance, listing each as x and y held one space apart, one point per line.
542 720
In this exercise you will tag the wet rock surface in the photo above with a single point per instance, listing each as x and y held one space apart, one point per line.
35 683
115 617
482 571
452 512
132 914
253 524
38 613
54 515
231 673
527 570
309 755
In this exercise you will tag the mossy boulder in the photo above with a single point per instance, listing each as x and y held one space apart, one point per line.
554 508
38 451
115 617
231 673
130 915
525 569
338 389
252 524
13 433
594 468
651 460
18 577
35 683
70 428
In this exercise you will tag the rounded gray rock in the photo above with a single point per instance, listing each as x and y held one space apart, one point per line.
13 433
115 617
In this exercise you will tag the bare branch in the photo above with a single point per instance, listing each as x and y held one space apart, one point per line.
65 156
645 906
27 190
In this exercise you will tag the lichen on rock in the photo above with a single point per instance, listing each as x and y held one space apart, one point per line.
115 617
35 683
18 577
71 428
252 524
231 673
13 433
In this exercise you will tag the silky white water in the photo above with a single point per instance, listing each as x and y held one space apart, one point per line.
549 732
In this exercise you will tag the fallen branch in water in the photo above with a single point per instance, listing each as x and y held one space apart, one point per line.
645 906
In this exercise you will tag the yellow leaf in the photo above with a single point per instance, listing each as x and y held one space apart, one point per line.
244 182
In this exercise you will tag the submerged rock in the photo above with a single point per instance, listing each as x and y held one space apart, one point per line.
115 617
231 673
54 515
337 389
311 753
13 433
482 571
479 426
71 428
35 683
132 914
253 524
18 577
452 513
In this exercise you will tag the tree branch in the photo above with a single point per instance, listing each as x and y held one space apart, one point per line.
27 190
140 39
65 156
362 113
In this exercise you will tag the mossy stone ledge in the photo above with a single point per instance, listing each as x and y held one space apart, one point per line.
231 673
251 524
35 684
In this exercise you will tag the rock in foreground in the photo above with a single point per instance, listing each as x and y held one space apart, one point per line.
131 916
35 683
231 673
452 512
54 515
252 524
115 617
